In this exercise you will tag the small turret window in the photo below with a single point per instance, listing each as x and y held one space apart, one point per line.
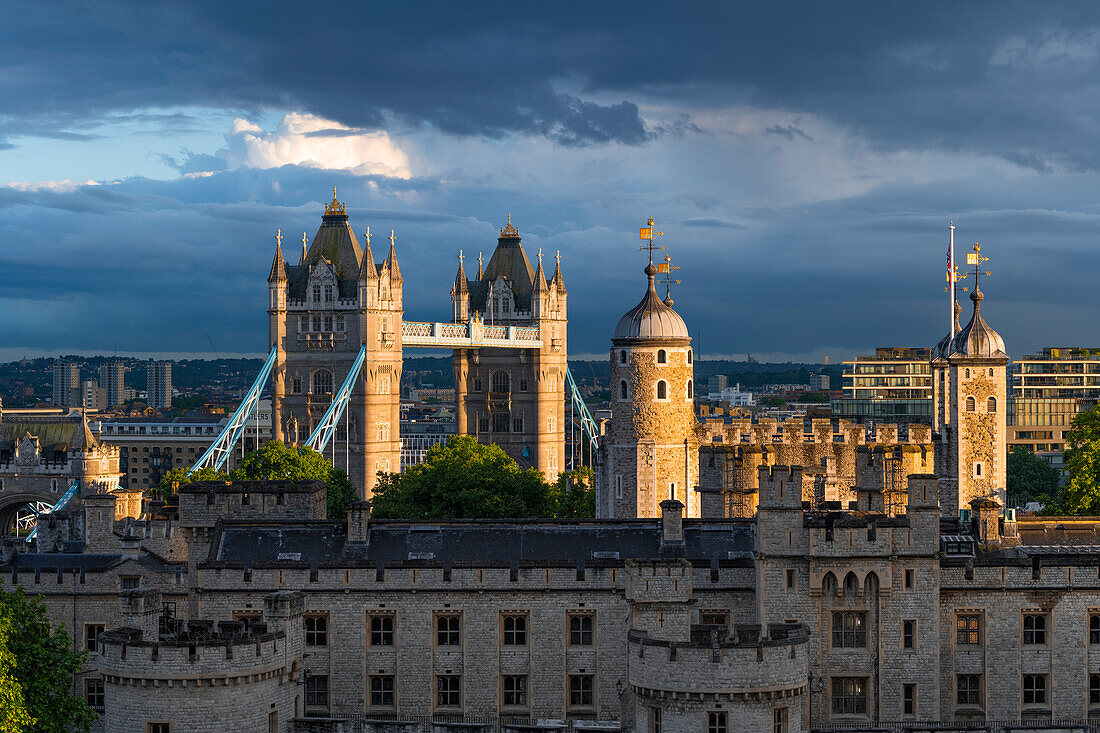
662 357
689 356
991 404
662 390
622 357
991 371
967 372
691 390
623 390
970 404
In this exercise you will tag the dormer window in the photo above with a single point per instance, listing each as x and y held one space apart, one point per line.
328 293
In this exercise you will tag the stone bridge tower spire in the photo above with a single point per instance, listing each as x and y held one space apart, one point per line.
514 398
320 312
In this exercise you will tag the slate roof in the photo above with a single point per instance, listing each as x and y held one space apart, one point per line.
485 543
55 433
511 261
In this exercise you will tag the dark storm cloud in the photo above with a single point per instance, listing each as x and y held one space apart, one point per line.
1005 78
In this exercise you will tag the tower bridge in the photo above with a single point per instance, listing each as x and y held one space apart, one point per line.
339 315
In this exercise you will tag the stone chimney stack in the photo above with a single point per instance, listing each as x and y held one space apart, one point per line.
140 610
986 514
359 521
672 523
99 523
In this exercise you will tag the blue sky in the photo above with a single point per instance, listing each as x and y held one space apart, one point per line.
803 160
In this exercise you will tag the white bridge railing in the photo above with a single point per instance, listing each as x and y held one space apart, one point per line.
474 333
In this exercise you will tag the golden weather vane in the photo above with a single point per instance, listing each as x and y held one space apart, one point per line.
647 233
666 269
975 258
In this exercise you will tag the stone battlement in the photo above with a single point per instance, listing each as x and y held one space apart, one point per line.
738 661
230 652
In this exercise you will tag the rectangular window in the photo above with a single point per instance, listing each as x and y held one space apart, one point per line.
849 696
448 691
968 689
1035 629
908 634
780 720
91 635
792 576
381 630
1094 629
517 424
1094 689
317 691
655 720
908 700
483 424
514 689
381 691
580 630
158 727
1035 689
130 582
447 630
968 629
316 628
908 579
713 619
580 690
849 629
515 631
93 694
718 722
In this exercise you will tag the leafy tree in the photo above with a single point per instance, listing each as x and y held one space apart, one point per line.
1030 478
815 397
13 711
1081 492
41 662
773 402
465 479
574 494
277 462
179 477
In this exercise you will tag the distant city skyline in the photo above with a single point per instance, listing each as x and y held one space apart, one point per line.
803 161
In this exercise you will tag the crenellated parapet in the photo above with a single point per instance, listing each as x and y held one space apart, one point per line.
745 670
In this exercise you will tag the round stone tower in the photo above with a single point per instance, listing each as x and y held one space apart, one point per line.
652 453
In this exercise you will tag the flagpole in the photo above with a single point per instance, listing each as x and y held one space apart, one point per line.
951 279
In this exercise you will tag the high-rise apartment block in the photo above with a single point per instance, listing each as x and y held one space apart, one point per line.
66 384
1048 390
92 396
112 379
158 388
893 385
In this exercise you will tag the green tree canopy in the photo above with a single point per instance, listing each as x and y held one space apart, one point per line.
1080 494
277 462
465 479
41 662
1030 478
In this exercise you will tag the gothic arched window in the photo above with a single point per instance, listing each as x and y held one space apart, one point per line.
317 293
500 382
623 393
296 385
328 293
970 404
322 382
991 404
691 390
662 390
689 356
662 357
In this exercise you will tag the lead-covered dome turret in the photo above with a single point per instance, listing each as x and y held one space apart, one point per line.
651 318
977 339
